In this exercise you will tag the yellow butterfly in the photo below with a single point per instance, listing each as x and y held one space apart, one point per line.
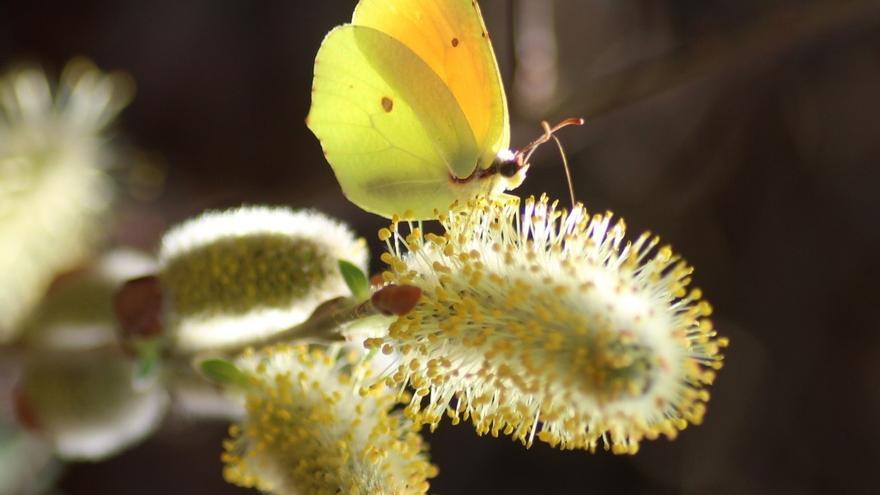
410 109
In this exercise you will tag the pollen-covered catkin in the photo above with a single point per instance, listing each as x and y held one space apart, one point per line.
546 323
311 428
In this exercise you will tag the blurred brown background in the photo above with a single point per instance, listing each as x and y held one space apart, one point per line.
742 131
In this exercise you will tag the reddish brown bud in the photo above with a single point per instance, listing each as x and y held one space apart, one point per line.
24 412
138 307
396 299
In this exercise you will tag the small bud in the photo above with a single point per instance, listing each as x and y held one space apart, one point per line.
23 411
396 300
138 307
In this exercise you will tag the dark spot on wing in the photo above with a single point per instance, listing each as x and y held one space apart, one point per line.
454 42
477 8
387 103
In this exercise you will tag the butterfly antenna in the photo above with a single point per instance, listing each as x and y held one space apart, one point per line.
525 154
567 172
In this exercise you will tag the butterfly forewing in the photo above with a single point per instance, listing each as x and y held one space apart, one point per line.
451 38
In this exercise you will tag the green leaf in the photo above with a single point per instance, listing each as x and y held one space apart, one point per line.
223 371
149 359
355 279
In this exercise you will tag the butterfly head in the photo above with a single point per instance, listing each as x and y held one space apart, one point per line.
510 168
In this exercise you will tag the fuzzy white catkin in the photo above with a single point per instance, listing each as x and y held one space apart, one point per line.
86 402
244 274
